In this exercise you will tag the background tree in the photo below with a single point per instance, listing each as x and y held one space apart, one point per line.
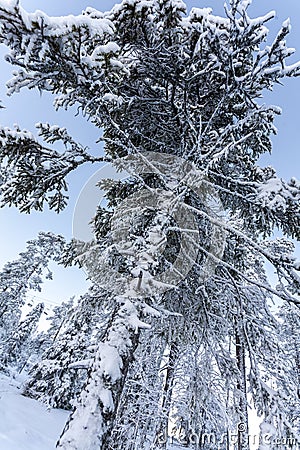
20 276
17 347
60 374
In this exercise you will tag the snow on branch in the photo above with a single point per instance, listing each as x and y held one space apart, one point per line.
31 173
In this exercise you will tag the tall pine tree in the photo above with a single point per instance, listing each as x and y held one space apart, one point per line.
183 86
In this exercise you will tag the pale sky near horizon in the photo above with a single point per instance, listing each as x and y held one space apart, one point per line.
27 108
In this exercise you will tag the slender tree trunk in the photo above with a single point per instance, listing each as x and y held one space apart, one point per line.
242 429
161 435
240 353
297 357
298 369
90 425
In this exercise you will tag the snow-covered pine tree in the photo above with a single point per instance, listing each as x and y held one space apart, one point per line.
17 348
60 314
45 338
288 368
155 80
135 424
24 274
58 378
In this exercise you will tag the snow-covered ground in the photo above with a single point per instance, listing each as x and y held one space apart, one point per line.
26 424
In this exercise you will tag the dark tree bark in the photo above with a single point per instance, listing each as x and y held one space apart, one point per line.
161 434
242 427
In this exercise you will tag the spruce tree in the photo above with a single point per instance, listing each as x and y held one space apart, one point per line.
288 370
60 374
175 86
18 347
24 274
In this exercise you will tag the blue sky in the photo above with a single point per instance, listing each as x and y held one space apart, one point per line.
28 107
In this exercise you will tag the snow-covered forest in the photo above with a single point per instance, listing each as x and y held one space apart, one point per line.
183 339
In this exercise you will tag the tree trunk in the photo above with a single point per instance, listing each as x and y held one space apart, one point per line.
242 428
90 425
161 435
